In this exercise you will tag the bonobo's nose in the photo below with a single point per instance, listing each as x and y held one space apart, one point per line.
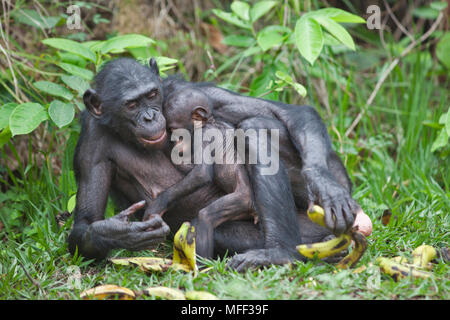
149 115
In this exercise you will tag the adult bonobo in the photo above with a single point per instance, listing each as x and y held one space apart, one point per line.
123 150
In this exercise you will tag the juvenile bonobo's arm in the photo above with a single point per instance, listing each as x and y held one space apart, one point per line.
199 176
93 236
310 137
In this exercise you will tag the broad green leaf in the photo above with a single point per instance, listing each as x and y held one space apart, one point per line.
338 15
77 71
301 90
231 18
70 46
34 19
165 61
120 43
308 38
241 9
440 141
5 136
336 30
425 13
61 113
238 41
261 8
26 117
72 59
438 5
443 50
76 83
268 38
5 112
53 89
71 203
446 121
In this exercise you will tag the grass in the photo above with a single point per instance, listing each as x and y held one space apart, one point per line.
388 157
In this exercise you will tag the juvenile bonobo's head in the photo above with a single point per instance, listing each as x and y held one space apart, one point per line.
128 101
185 108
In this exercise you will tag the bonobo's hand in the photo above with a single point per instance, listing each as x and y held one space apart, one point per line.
157 206
119 232
338 204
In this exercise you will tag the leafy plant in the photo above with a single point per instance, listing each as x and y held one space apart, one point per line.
271 44
78 62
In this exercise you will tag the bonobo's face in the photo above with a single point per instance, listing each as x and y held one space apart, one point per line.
128 101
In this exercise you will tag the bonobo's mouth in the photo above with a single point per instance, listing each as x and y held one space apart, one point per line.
156 140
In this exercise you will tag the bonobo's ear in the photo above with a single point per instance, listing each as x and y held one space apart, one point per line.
154 66
93 102
200 114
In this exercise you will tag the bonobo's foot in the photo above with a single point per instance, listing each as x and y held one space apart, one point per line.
337 202
263 257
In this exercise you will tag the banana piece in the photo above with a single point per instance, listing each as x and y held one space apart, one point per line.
108 291
317 215
200 295
165 293
184 247
147 264
352 259
423 254
398 271
326 248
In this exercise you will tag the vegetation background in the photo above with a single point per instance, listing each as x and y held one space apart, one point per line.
385 103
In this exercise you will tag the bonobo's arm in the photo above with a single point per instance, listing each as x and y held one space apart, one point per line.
310 137
199 176
95 237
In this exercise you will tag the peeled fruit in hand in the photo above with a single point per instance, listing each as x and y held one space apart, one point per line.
363 223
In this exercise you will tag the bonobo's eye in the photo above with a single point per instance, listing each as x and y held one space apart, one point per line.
152 94
131 105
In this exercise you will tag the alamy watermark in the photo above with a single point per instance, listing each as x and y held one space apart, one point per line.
74 18
230 146
374 20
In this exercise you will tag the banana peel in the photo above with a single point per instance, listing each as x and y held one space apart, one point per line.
183 255
398 270
200 295
326 248
350 260
147 264
336 245
108 291
165 293
184 248
423 254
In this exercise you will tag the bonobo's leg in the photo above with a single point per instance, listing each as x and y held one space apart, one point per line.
232 206
310 137
276 210
233 237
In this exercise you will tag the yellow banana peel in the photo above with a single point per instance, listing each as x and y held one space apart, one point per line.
108 291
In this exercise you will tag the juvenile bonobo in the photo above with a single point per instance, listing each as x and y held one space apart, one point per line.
190 110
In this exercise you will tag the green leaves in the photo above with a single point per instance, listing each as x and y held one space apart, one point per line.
241 9
70 46
232 18
261 8
53 89
119 43
443 49
26 117
61 113
5 112
243 15
308 30
308 38
77 71
76 83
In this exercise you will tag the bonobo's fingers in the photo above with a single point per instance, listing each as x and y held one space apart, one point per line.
125 214
263 257
329 219
348 215
340 225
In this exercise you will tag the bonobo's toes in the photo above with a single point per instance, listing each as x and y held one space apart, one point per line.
262 257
